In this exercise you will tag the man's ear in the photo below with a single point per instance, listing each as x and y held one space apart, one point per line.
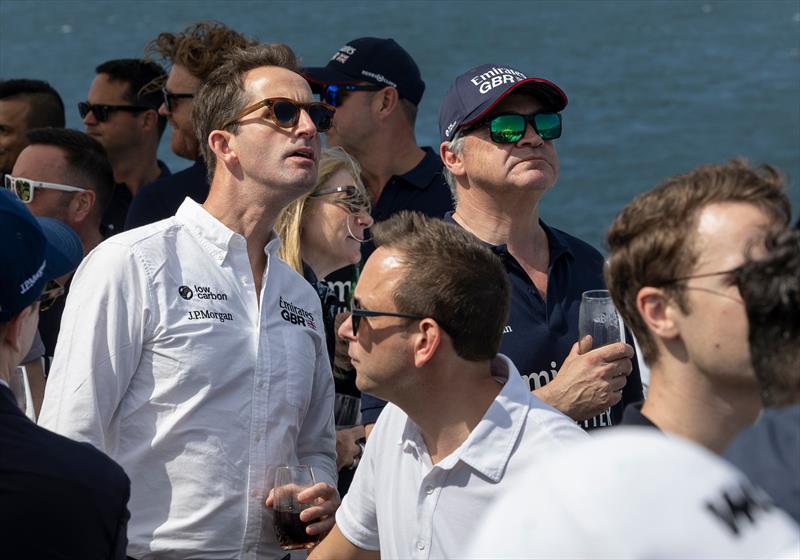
385 102
453 161
223 144
81 205
656 309
150 120
427 340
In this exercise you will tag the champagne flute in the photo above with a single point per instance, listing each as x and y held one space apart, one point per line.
599 318
289 529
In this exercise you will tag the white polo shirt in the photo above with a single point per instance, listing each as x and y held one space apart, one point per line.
404 506
168 361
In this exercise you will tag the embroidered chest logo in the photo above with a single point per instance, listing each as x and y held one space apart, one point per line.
202 292
296 315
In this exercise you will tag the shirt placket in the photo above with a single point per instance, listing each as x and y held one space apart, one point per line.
427 498
258 451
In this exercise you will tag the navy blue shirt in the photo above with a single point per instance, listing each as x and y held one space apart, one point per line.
162 198
539 334
633 417
114 216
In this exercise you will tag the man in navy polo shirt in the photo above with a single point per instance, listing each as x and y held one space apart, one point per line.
376 88
497 127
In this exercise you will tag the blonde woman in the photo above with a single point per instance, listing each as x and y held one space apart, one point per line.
322 232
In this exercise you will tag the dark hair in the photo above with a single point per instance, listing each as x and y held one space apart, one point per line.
85 155
452 277
222 96
770 287
47 108
144 79
651 239
200 48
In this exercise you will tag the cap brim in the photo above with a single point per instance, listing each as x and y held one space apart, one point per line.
319 77
547 92
64 250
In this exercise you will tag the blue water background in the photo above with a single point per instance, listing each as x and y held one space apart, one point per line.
655 88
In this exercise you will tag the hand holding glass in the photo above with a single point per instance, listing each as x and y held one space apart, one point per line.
289 529
599 318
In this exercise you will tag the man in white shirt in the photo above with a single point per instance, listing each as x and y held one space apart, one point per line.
428 314
190 353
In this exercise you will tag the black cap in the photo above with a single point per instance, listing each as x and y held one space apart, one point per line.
369 59
475 92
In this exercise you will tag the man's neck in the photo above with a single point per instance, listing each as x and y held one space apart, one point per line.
89 232
386 156
507 218
449 406
136 168
685 402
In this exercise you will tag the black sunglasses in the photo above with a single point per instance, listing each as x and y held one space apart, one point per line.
169 98
334 94
52 291
356 313
509 128
101 112
285 113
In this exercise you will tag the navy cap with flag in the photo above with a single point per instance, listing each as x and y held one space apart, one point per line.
478 90
374 60
32 252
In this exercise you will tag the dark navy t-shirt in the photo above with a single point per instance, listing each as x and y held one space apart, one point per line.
540 334
162 198
113 220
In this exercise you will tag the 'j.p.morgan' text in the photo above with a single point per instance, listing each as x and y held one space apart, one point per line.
203 314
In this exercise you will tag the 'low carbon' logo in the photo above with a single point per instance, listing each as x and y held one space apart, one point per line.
186 292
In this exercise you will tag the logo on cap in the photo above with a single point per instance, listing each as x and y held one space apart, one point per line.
450 128
495 77
343 54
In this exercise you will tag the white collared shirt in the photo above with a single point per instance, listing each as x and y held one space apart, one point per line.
166 362
406 507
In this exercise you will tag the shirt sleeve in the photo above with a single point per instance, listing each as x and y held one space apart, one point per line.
98 348
357 517
316 441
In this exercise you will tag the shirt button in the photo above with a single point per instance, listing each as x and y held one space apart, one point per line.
260 384
429 489
420 545
258 438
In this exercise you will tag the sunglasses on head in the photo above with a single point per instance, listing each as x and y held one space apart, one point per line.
353 200
169 98
52 291
334 94
285 112
357 313
24 188
509 128
100 112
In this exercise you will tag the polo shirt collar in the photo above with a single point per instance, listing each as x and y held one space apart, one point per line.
488 447
420 176
555 239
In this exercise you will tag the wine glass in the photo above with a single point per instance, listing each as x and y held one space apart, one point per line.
289 529
599 318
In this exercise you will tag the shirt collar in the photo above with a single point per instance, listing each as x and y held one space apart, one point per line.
421 176
555 239
488 447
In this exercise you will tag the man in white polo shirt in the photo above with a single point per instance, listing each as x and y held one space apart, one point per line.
190 353
428 314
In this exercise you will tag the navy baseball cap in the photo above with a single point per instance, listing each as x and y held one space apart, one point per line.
476 92
370 59
32 252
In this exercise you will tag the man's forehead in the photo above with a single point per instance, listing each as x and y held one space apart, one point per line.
275 81
381 272
725 232
39 161
14 108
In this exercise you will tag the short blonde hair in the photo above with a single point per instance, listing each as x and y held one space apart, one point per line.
290 221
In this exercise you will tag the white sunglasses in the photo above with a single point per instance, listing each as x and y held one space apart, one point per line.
24 188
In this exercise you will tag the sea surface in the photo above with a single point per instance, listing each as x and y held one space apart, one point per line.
655 87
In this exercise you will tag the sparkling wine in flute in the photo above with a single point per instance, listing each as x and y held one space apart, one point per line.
289 529
599 318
